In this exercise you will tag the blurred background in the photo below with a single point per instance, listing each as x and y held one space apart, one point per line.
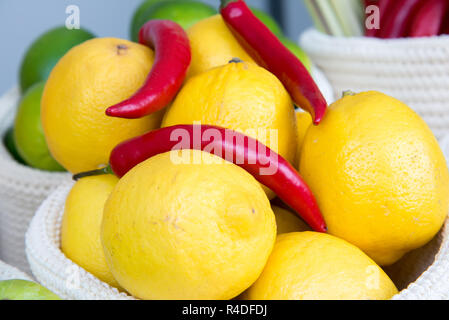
22 21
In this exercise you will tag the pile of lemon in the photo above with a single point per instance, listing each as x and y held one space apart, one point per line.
209 231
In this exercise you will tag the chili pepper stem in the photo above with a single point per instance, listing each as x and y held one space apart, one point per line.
98 172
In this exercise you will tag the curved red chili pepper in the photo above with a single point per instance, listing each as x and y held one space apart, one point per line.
429 19
400 16
267 167
266 49
172 60
384 9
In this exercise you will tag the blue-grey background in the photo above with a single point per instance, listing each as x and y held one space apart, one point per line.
21 21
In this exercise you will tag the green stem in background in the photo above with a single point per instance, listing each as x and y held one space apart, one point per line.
337 17
98 172
316 17
347 14
329 15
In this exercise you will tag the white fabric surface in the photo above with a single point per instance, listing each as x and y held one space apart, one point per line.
415 71
11 273
22 189
423 273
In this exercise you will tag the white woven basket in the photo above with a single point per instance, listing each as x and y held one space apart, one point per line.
416 71
22 189
422 274
50 266
11 273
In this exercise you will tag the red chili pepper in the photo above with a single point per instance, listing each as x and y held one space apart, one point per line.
429 19
400 16
384 9
172 60
445 26
269 168
266 49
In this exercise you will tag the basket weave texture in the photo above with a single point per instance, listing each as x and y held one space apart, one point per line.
22 190
415 71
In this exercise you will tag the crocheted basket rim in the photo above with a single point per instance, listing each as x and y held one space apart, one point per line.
8 272
375 50
371 41
49 263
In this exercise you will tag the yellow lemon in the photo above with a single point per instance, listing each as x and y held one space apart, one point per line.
213 45
304 121
287 221
87 80
196 229
243 97
379 175
81 225
316 266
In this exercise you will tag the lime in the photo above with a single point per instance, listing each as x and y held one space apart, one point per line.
139 17
184 12
45 52
8 141
28 133
268 21
298 52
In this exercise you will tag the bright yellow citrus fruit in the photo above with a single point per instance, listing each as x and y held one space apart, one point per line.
85 82
213 45
287 221
379 175
304 121
200 229
317 266
243 97
81 225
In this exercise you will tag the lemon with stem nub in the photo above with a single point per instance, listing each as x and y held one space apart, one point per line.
379 175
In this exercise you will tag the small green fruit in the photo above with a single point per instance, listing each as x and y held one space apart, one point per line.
184 12
45 52
29 136
24 290
8 141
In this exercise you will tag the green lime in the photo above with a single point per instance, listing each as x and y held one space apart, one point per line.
24 290
139 18
28 133
268 21
298 52
184 12
45 52
8 141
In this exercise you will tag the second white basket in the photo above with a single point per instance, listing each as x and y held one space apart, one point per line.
22 189
413 70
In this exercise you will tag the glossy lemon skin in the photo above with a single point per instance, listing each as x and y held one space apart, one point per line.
81 225
287 221
85 82
242 97
187 231
316 266
213 45
379 175
304 121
